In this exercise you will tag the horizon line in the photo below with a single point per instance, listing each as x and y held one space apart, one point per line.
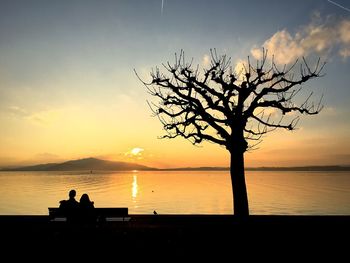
188 168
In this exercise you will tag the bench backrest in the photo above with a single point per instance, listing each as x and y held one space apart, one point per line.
100 212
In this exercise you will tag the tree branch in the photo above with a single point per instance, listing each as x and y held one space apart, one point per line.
219 105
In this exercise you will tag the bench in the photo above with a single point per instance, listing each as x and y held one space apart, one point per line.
102 214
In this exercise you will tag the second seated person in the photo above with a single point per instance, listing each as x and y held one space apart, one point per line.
86 209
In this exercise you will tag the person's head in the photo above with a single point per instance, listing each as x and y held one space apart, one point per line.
84 198
72 193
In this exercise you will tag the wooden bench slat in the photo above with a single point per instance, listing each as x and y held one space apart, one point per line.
101 213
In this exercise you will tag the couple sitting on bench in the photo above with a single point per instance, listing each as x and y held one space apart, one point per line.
82 211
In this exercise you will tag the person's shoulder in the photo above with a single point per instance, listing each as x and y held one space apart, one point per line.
72 201
63 203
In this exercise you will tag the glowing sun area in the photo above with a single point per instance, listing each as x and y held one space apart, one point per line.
136 151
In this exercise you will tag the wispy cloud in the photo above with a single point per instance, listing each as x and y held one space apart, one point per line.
319 37
206 61
136 153
44 117
17 111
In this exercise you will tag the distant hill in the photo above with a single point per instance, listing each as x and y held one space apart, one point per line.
93 164
84 164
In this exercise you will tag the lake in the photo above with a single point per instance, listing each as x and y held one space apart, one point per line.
180 192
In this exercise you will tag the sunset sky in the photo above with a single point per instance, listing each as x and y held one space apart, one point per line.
68 90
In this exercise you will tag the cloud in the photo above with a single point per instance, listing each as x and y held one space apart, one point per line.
282 45
320 37
240 66
266 112
206 61
44 117
136 153
18 112
240 69
344 32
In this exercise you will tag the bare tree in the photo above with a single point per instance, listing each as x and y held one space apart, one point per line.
231 109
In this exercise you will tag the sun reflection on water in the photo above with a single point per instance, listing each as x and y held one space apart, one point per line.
134 188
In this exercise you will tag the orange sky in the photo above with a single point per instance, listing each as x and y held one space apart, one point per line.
68 89
78 133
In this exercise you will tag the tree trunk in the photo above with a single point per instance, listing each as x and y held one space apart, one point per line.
239 190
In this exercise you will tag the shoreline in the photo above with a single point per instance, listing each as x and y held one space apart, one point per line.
314 168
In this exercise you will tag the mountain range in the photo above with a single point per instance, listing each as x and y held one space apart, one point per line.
83 164
93 164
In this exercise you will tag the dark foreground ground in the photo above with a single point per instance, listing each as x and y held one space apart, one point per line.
167 238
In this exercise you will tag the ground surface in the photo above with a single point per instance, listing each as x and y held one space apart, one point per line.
167 238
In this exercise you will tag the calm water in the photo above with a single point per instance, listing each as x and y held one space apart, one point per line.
304 193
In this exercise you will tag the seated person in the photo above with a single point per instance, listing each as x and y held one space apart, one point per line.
86 209
70 206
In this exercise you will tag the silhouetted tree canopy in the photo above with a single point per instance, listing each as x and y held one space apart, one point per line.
228 108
